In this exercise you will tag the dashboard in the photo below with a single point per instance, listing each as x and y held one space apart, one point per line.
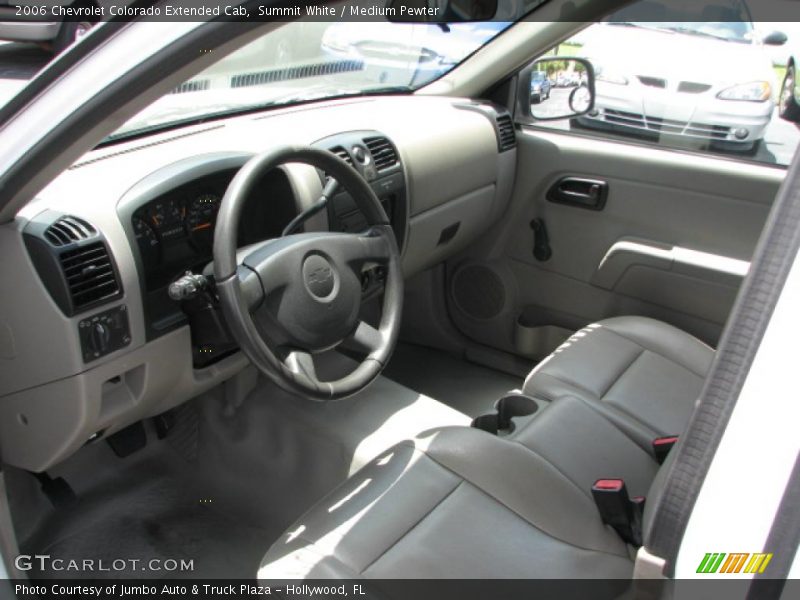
170 219
90 338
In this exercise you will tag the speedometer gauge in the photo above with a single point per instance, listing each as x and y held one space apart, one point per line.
200 219
148 241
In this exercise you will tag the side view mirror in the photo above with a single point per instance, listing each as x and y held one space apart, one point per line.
557 88
776 38
440 11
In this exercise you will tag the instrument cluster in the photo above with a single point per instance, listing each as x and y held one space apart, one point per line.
173 220
175 231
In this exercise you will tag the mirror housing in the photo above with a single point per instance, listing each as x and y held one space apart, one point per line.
440 11
556 87
775 38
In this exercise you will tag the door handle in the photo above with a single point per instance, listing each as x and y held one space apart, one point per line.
579 192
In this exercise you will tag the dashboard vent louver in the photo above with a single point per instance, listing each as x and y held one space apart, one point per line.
194 85
507 139
89 274
300 72
383 153
343 154
68 230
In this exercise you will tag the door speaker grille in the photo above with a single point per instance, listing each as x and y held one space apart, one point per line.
478 291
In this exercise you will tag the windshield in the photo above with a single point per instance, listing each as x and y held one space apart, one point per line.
305 61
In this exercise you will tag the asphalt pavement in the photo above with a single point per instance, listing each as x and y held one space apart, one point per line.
20 62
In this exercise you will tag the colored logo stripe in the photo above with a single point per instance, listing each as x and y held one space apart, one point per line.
710 563
734 563
758 563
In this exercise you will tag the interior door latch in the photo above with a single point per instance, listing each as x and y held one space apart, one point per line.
541 243
579 192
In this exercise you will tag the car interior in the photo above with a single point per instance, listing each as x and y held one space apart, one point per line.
472 321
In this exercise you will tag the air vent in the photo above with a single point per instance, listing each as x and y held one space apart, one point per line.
68 230
343 154
507 139
89 274
691 87
301 72
383 153
655 82
194 85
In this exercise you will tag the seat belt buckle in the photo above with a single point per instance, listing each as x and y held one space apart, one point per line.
662 446
618 510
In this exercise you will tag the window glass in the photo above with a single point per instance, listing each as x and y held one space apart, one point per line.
307 60
724 87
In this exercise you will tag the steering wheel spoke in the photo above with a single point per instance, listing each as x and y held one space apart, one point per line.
301 362
364 339
252 290
372 246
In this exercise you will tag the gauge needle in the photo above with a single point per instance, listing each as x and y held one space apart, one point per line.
203 226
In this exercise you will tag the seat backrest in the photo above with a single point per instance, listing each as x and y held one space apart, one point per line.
656 493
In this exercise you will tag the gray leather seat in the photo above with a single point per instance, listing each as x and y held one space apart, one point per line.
643 375
462 503
584 446
458 504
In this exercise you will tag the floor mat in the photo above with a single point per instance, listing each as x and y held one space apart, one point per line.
465 386
160 517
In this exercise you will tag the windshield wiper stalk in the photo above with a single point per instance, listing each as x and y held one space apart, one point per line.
327 192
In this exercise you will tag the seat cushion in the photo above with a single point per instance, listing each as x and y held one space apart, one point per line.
459 503
642 374
585 446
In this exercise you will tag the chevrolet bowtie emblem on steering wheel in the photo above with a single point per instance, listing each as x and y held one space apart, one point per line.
318 275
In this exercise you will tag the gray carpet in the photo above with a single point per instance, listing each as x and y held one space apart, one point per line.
465 386
154 510
225 483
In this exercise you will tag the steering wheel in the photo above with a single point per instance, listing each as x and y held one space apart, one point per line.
296 296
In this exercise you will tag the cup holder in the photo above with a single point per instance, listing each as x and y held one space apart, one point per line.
507 408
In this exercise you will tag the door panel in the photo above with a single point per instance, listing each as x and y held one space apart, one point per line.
672 239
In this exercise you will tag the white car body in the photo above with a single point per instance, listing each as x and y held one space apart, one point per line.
673 88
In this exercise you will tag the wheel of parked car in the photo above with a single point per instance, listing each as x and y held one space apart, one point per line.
299 295
70 32
788 107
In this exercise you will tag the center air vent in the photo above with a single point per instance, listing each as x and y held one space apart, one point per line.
68 230
89 275
507 139
343 154
383 153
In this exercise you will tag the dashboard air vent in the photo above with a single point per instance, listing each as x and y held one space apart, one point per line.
89 274
68 230
507 139
343 154
383 153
